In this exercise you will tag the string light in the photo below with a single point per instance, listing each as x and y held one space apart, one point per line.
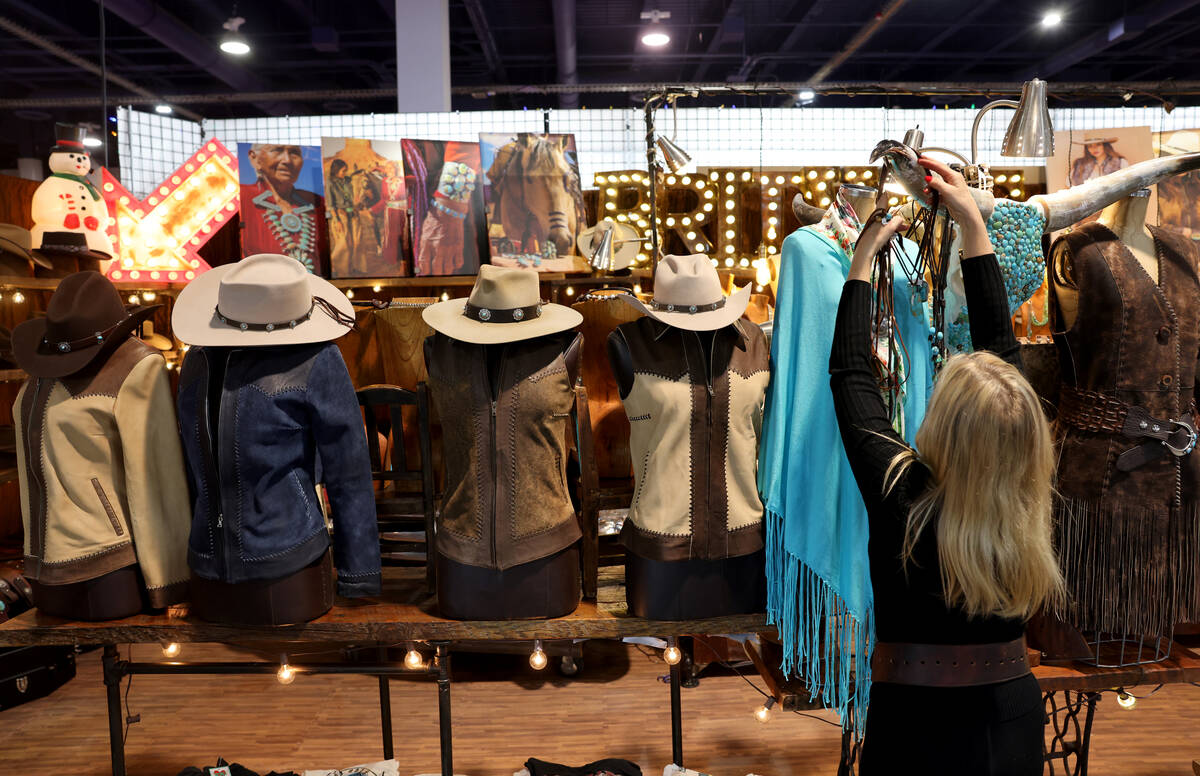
349 293
763 712
538 659
18 297
445 296
1125 700
171 649
413 659
637 287
133 298
286 674
377 288
570 291
672 655
149 296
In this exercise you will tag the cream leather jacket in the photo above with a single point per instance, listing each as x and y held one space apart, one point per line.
102 478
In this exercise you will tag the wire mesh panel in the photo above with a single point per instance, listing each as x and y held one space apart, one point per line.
152 146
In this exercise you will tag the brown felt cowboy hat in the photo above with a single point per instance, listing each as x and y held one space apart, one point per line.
85 319
688 295
505 306
16 251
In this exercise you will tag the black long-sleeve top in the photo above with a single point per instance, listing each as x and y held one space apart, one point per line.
909 607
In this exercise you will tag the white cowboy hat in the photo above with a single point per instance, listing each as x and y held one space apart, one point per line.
626 243
504 306
265 299
687 295
1095 139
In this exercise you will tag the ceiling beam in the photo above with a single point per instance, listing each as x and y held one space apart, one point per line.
1123 29
857 41
491 54
732 29
566 50
952 29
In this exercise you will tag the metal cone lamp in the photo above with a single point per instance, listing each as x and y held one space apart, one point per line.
674 157
1030 133
602 257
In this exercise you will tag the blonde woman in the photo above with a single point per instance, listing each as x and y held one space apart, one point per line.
960 546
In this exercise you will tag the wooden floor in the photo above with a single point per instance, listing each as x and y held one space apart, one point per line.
504 712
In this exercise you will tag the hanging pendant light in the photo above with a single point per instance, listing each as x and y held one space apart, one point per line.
676 159
233 41
602 256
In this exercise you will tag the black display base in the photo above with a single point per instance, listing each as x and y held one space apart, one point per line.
547 587
695 589
296 598
115 595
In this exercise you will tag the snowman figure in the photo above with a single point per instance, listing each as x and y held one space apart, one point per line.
67 201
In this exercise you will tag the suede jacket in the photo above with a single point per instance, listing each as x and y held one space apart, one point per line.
101 471
262 427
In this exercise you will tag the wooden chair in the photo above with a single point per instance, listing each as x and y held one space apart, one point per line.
405 502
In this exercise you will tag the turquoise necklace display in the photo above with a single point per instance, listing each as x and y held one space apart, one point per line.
295 231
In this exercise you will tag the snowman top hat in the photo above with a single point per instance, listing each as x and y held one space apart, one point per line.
68 138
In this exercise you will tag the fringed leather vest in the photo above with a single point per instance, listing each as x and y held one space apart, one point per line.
1127 524
506 501
694 441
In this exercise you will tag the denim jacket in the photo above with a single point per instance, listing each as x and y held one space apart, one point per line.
282 420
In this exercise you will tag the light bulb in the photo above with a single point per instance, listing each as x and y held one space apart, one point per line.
445 296
672 655
1125 700
762 275
163 108
538 659
763 712
1052 19
656 39
18 297
171 650
570 291
412 659
637 287
91 142
377 288
149 296
286 674
349 293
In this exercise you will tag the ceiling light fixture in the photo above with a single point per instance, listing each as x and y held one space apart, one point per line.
233 42
92 142
1052 19
655 35
806 96
164 109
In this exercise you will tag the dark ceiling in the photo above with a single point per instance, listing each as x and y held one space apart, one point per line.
325 47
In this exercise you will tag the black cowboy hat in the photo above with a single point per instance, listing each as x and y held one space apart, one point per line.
15 251
66 252
85 319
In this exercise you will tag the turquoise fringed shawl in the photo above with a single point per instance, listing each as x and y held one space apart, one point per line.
818 576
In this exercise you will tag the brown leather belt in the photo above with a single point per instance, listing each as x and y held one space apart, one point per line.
1101 413
949 665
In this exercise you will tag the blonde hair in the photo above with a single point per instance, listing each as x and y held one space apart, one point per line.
988 447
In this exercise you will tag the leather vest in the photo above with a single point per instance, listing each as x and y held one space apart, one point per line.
1128 541
1137 343
506 501
695 419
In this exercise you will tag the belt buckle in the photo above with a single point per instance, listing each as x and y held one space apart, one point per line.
1182 425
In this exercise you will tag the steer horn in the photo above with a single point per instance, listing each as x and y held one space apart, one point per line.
1069 206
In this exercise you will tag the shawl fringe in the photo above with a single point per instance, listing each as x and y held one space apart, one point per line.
823 643
1128 571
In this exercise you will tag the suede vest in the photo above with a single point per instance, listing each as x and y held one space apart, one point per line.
1128 541
506 501
694 441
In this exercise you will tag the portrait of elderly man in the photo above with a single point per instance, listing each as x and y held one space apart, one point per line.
279 212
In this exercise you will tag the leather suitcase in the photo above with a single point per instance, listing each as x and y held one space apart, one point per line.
27 673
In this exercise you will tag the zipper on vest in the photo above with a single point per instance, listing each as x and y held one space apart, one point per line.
37 542
219 543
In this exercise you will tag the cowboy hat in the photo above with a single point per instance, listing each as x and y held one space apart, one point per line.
65 252
262 300
85 319
1093 140
687 295
147 334
505 305
15 247
626 243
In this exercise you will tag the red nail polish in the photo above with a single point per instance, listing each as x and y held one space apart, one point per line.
928 178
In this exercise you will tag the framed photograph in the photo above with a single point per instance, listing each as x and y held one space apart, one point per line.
533 199
445 196
1179 195
283 203
1082 155
366 207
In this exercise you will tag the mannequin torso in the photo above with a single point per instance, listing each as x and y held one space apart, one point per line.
695 588
1127 219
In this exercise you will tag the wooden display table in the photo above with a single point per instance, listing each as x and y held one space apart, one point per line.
404 614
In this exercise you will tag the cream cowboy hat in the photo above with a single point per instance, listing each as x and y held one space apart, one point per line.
626 243
687 295
1092 140
262 300
504 306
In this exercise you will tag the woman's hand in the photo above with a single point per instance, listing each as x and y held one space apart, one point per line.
955 196
877 234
